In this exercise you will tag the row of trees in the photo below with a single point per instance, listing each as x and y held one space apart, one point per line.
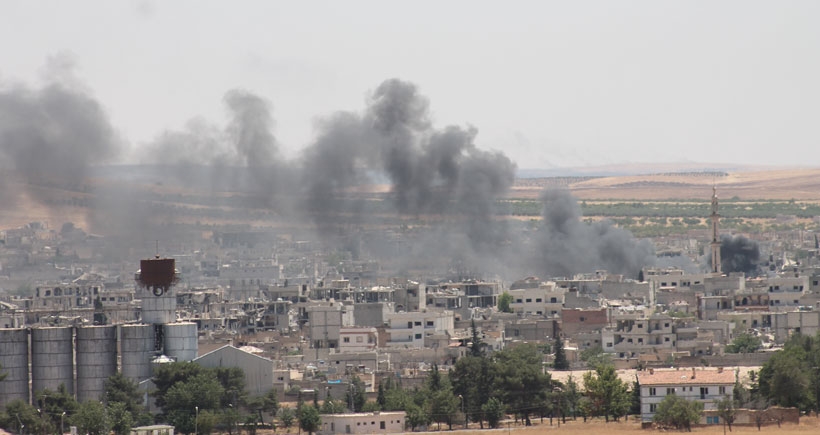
53 410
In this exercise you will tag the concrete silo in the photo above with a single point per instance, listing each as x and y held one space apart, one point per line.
137 349
52 359
14 363
156 279
96 360
180 341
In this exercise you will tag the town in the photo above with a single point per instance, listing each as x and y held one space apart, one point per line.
293 322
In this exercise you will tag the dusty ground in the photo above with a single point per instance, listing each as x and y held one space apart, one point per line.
798 184
808 425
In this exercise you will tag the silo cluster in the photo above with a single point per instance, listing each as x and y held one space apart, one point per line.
38 358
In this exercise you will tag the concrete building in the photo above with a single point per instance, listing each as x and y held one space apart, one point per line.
363 423
410 329
703 385
258 371
358 339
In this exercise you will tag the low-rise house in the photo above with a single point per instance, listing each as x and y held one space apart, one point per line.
362 423
703 385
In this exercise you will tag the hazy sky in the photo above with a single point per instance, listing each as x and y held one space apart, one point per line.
550 83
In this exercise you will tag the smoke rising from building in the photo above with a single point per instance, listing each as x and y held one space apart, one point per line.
739 254
51 137
567 245
57 133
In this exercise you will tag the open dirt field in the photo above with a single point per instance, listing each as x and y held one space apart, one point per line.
808 425
798 184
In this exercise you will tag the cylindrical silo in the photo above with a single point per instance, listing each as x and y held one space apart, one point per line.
14 363
137 348
180 340
96 360
52 359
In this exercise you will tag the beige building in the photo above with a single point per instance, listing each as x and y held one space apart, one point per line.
362 423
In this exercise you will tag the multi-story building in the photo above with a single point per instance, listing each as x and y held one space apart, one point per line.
410 329
705 385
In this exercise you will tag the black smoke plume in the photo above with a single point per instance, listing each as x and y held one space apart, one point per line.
567 245
51 137
738 254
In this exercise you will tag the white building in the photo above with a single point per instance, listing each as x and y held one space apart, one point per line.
544 300
702 385
362 423
358 339
409 329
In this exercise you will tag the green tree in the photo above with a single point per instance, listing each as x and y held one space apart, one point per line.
493 411
166 375
21 417
91 418
609 396
371 406
416 416
202 392
309 419
52 404
726 410
443 406
286 416
594 357
785 378
744 343
519 379
356 392
119 389
476 343
119 418
573 396
677 412
560 362
472 379
381 399
504 301
232 380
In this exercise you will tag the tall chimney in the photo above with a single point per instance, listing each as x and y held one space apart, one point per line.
693 373
720 369
651 371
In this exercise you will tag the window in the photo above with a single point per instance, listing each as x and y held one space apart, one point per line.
553 300
430 323
382 425
665 338
652 391
529 300
640 325
712 420
418 336
346 340
722 390
704 391
582 318
409 324
653 407
518 301
670 390
539 300
418 323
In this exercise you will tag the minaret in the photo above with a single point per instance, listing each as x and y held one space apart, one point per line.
715 237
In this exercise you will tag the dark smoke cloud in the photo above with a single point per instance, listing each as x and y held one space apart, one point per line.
566 245
738 254
59 132
431 171
52 136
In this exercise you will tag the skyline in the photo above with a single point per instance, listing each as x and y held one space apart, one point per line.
550 85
